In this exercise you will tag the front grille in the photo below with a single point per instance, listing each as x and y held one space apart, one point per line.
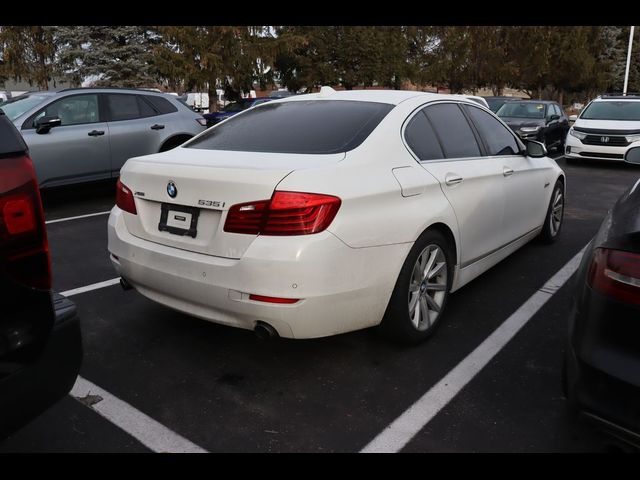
604 140
602 155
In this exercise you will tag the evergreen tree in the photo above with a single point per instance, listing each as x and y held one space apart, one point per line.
119 56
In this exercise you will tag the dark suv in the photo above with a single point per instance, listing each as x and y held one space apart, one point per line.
540 120
40 344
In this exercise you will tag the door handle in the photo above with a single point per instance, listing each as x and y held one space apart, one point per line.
157 127
453 179
96 133
506 171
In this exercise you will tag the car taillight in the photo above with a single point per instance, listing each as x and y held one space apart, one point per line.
616 274
124 198
24 249
202 121
287 213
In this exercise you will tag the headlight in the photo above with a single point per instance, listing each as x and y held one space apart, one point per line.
529 129
576 134
632 138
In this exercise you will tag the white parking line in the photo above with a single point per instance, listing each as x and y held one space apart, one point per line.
88 288
77 217
143 428
394 437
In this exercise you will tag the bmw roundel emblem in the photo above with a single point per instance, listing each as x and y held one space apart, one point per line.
172 190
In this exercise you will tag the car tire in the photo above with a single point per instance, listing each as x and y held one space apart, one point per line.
411 317
555 215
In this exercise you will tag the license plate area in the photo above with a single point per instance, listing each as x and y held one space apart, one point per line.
179 220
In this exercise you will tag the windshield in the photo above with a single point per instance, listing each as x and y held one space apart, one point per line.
521 110
625 110
305 127
17 106
495 103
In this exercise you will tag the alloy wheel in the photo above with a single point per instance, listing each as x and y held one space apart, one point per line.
427 287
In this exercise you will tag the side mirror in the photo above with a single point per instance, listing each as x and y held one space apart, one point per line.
633 155
554 117
573 118
535 149
44 124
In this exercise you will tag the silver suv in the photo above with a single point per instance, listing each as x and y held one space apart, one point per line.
85 134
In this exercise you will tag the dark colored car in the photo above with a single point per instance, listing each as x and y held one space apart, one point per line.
40 344
496 102
601 374
233 108
540 120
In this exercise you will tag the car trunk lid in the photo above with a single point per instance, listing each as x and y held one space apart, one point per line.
207 183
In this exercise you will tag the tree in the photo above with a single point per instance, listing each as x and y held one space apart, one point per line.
113 56
211 57
28 53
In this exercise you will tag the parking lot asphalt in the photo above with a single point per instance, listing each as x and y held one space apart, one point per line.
225 390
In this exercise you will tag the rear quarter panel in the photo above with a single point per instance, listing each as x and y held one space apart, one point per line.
374 212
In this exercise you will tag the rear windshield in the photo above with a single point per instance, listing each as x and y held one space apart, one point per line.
521 110
311 127
626 110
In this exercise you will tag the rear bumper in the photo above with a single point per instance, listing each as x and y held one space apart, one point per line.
32 389
340 288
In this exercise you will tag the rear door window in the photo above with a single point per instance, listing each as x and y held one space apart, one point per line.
497 138
305 127
162 105
128 107
453 130
421 138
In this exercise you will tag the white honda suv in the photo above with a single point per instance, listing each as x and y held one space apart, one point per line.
605 129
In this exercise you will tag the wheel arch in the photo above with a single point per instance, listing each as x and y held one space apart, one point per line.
445 230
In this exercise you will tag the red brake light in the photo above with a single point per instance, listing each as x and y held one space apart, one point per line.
616 274
23 239
287 213
124 198
246 217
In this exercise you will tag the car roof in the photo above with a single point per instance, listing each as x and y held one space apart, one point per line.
530 100
604 98
114 89
393 97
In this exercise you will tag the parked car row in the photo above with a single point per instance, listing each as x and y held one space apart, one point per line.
203 219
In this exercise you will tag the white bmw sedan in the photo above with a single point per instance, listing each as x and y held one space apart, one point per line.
325 213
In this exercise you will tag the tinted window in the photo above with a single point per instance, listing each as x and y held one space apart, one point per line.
162 105
421 138
73 110
313 126
612 110
453 130
556 110
497 138
127 107
522 110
